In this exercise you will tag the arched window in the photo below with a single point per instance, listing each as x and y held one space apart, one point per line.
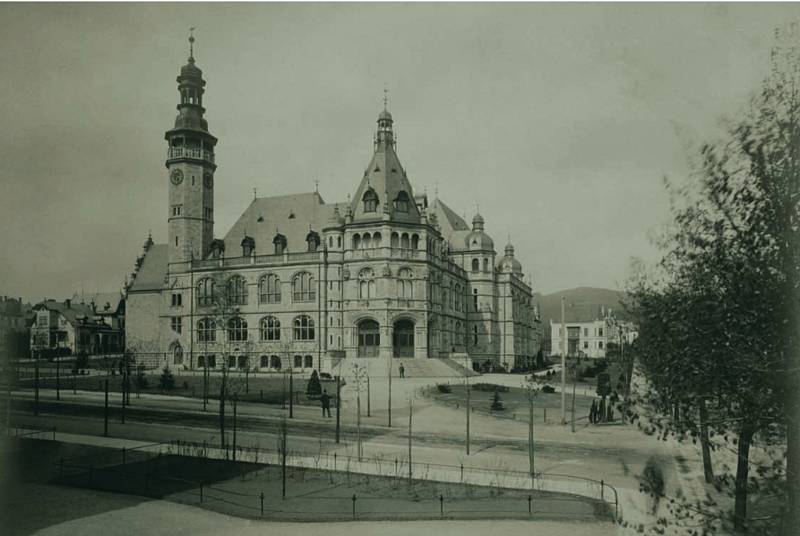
485 265
304 328
206 330
404 241
270 329
401 202
475 335
303 287
457 298
376 240
308 361
330 241
275 362
356 241
205 292
475 299
395 240
237 290
476 265
269 289
177 355
338 241
366 284
405 286
415 241
264 361
237 329
370 200
366 243
298 361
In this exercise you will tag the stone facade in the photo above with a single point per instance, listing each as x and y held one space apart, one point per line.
304 283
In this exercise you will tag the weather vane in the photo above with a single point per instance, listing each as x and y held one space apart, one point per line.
385 97
191 42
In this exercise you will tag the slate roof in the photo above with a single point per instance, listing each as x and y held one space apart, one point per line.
290 215
151 275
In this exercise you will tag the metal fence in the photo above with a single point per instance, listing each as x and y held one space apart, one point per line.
122 470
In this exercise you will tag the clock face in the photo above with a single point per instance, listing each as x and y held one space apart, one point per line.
176 176
208 180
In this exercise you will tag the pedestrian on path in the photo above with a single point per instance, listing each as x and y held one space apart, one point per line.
593 412
326 403
402 370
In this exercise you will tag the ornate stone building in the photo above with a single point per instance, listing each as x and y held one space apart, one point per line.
388 274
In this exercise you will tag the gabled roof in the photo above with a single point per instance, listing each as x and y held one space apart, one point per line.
290 215
452 226
150 276
76 313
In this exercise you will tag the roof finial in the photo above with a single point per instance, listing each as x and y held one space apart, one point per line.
255 193
316 185
191 43
385 97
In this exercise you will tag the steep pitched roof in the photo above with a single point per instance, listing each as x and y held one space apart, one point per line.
387 178
453 227
150 276
290 215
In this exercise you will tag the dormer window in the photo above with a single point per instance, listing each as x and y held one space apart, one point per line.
313 241
248 246
401 202
370 200
280 244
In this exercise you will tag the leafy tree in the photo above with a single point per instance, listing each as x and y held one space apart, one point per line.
718 320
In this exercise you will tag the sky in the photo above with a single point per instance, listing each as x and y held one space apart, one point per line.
558 121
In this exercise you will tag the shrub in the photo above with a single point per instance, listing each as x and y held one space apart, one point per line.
653 477
497 404
141 379
548 389
166 380
489 387
443 388
314 387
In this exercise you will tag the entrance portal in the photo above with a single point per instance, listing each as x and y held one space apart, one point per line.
403 338
369 338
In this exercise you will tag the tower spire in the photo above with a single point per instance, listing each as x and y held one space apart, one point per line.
191 44
385 98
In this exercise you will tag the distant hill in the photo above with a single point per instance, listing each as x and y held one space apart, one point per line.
582 304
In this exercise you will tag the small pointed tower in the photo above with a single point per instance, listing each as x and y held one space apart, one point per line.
190 170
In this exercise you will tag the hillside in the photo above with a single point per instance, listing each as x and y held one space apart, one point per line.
582 304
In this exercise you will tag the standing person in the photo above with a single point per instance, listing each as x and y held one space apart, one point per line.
402 370
326 403
593 412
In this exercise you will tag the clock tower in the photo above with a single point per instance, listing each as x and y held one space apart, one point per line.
190 170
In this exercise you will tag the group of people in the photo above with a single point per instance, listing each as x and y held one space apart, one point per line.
601 411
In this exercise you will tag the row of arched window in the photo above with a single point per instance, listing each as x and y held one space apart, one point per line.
476 265
366 284
269 329
374 240
243 362
269 290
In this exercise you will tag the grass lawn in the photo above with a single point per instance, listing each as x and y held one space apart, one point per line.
235 488
515 402
269 388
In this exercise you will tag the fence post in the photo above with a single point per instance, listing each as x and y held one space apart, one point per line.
441 504
262 503
530 500
602 485
334 461
395 468
354 504
462 472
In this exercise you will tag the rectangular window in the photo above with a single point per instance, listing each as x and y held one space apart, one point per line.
600 332
600 344
585 332
176 210
209 213
177 300
176 324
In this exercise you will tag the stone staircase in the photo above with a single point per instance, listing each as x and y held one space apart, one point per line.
414 368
